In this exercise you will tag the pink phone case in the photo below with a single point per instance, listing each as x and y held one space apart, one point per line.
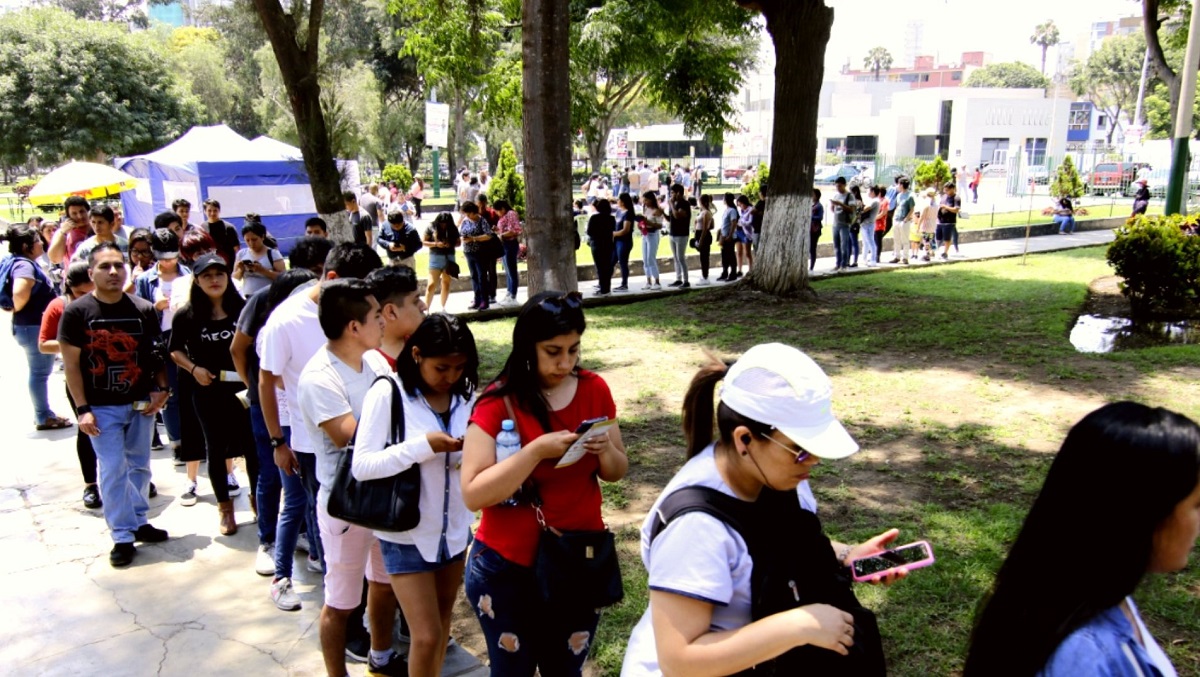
915 565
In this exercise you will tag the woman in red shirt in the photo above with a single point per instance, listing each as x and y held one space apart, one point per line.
549 396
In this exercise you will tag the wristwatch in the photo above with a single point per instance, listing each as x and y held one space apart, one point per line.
277 442
160 389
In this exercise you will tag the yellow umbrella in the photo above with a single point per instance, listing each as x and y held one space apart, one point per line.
86 179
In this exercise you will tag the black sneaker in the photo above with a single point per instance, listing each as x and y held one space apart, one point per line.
122 554
685 285
623 287
395 667
91 497
358 647
150 534
676 283
724 276
153 490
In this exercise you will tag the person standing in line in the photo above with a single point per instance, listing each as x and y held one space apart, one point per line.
905 206
508 227
362 223
155 286
223 233
399 238
867 217
543 390
1141 199
856 224
634 179
201 334
929 219
315 226
644 180
32 292
975 179
416 193
882 214
183 209
758 214
102 219
400 305
947 219
601 230
475 233
256 266
71 232
746 229
331 390
623 238
728 234
441 237
702 234
680 229
374 201
77 284
843 206
816 223
435 376
890 199
651 227
116 405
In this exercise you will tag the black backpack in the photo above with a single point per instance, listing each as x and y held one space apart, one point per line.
794 566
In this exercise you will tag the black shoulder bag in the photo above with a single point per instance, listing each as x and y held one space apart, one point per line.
387 504
575 565
793 566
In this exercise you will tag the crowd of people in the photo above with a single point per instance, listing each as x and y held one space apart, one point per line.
326 366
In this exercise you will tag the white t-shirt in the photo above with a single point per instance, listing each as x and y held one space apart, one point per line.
252 282
696 556
330 388
164 288
290 338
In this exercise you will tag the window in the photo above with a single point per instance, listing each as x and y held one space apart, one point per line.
1101 122
1080 119
1035 151
956 76
924 77
833 145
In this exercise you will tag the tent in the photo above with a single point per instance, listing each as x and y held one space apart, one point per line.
263 176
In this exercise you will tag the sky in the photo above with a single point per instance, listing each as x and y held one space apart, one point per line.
999 27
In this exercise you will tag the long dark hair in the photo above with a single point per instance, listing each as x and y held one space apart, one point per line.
439 335
1153 456
200 308
543 317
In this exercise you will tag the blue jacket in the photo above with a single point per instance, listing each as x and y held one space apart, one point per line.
1104 647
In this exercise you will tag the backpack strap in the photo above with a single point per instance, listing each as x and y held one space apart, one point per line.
722 506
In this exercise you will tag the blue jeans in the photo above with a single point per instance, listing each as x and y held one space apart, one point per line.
291 517
308 479
621 258
123 452
40 367
269 484
1066 224
553 637
478 268
650 255
841 244
511 249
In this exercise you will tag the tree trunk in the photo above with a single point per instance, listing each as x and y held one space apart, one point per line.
454 156
800 31
298 66
1163 70
1044 48
546 108
415 153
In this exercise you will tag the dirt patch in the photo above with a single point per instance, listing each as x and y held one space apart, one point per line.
1105 297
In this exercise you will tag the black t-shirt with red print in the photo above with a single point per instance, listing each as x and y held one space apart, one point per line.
117 344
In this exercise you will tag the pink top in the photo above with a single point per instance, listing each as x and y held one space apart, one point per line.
509 223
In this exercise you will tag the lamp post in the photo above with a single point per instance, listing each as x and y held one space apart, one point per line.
1183 116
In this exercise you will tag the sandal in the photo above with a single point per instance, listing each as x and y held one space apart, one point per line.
55 423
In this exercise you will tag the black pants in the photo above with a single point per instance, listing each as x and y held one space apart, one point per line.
417 205
880 234
704 250
814 236
604 267
83 448
191 435
728 258
226 425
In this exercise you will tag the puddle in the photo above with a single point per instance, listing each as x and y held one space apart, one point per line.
1105 334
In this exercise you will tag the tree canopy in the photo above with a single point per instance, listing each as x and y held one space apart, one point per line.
1045 35
1012 75
1111 76
878 59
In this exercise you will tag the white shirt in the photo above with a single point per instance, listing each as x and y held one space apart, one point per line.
290 338
330 388
252 282
443 513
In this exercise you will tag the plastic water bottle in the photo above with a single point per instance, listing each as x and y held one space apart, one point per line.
508 442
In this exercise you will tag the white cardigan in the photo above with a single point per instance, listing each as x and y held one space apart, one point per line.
443 512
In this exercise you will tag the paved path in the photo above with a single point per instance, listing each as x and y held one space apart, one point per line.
194 603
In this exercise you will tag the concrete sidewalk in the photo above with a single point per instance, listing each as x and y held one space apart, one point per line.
194 603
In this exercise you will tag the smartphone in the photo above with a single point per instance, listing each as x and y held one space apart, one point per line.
141 405
587 425
911 556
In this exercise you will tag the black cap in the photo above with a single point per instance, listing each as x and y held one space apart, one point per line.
207 261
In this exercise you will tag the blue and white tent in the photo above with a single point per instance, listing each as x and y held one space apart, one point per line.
263 176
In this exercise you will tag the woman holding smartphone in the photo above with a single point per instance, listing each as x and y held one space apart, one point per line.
651 228
201 334
774 424
257 265
548 395
436 375
1072 613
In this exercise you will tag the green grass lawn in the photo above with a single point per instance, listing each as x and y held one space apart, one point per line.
959 383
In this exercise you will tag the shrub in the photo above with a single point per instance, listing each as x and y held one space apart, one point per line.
508 184
932 174
1159 259
753 189
400 174
23 187
1066 180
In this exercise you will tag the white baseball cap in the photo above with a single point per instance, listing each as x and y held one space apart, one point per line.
782 387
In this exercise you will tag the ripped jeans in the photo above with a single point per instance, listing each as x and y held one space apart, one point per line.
523 633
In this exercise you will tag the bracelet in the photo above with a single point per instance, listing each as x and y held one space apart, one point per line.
192 371
82 409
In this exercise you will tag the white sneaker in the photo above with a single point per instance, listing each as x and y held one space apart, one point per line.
188 497
264 560
284 596
302 543
314 565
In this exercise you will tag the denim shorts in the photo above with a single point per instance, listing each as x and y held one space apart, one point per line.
437 260
945 232
399 558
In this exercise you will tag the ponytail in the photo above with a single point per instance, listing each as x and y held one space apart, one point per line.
698 406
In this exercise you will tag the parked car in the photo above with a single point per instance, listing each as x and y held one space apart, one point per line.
1112 176
847 172
1157 179
994 170
733 173
887 176
1037 174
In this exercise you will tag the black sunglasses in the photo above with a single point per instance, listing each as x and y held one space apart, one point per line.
555 304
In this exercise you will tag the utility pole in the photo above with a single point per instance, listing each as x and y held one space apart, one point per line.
1177 185
437 160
